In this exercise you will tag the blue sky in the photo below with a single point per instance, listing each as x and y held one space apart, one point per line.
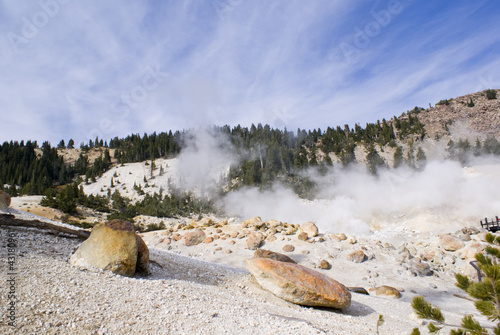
81 69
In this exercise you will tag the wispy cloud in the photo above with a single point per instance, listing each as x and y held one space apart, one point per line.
79 69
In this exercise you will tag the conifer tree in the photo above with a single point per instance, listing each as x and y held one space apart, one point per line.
485 292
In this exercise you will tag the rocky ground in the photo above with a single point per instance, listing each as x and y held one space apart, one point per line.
200 285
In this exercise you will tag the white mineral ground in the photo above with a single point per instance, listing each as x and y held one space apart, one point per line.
201 290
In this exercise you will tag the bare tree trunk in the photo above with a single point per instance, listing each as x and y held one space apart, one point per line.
11 220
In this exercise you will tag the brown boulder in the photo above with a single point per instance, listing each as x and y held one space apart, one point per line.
4 200
288 248
298 284
194 237
263 253
111 246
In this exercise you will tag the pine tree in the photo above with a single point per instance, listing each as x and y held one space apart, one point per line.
486 294
398 157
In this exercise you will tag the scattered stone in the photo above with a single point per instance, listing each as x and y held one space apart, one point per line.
4 200
352 240
325 265
288 248
218 249
310 229
357 256
232 242
302 236
420 269
334 238
228 251
206 222
470 251
306 252
179 226
194 237
209 239
298 284
177 237
342 236
166 241
233 234
263 253
385 291
271 238
218 230
450 243
254 241
111 246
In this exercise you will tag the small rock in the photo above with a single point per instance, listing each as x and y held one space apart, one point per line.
194 237
357 256
177 237
450 243
228 251
288 248
254 241
420 269
325 265
385 291
310 229
352 240
233 234
302 236
271 238
209 239
232 242
306 252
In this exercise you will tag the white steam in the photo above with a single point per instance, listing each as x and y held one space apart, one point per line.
204 161
442 197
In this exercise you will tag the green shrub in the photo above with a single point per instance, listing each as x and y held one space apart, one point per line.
486 293
491 94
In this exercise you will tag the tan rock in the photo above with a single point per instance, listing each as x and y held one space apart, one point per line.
357 256
205 222
288 248
176 237
111 246
325 265
209 239
302 236
4 200
298 284
470 251
342 236
450 243
254 241
194 237
233 234
263 253
385 291
310 229
271 238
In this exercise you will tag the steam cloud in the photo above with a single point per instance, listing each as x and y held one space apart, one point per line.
442 197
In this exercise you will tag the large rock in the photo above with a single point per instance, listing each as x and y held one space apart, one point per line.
4 200
450 243
263 253
194 237
112 246
310 229
298 284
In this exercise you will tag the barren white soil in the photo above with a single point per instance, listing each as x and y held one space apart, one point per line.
205 290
